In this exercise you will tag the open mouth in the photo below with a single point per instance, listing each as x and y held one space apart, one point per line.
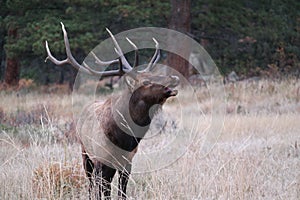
170 92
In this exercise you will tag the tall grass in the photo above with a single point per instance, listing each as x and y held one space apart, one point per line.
255 156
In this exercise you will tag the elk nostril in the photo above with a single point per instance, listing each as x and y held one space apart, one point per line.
168 90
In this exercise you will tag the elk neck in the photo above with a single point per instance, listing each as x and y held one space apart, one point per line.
135 110
141 111
131 110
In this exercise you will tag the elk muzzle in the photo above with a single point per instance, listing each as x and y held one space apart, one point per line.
171 84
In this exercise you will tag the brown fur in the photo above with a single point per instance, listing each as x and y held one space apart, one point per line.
134 108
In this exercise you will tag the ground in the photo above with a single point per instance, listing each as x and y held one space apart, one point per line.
245 145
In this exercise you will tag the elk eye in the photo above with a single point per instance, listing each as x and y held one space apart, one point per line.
146 82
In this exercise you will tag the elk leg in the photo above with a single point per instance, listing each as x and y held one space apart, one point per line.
123 180
89 168
104 177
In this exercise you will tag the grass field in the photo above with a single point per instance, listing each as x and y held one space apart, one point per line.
254 153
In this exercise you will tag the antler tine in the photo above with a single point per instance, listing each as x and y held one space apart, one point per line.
136 59
100 62
103 74
84 68
119 51
155 57
70 59
158 52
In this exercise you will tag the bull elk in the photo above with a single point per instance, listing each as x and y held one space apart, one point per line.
110 131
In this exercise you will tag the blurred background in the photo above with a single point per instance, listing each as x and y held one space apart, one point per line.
247 38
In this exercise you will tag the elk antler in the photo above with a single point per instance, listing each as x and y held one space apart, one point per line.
118 50
136 60
124 66
154 59
85 68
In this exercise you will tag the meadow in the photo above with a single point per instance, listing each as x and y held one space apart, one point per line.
246 145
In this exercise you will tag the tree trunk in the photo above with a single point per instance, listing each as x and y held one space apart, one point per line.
180 21
2 55
12 70
11 76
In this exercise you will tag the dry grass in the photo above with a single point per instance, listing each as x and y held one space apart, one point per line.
253 153
56 180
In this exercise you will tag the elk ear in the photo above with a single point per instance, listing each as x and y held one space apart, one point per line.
130 83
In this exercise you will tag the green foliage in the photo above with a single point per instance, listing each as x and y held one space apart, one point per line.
38 20
244 35
241 35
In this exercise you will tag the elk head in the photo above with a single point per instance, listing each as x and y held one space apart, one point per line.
142 84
